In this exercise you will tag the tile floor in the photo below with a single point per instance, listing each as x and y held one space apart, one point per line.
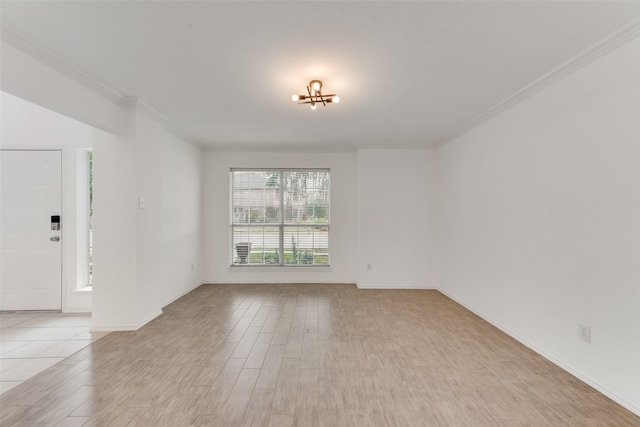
31 342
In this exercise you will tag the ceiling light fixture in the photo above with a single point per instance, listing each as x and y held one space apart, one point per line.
315 96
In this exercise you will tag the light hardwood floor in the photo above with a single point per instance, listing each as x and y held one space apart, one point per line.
309 355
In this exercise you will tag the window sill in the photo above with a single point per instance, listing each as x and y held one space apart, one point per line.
280 268
84 289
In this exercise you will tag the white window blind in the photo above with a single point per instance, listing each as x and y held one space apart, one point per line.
280 217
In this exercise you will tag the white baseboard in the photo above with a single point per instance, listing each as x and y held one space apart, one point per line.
125 327
386 286
114 328
275 282
149 319
78 310
180 295
359 286
576 373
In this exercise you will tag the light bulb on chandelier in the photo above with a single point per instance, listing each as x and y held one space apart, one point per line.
314 96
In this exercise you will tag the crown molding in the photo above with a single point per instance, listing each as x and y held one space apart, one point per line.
149 111
33 50
30 48
129 102
278 148
179 133
394 147
154 114
597 50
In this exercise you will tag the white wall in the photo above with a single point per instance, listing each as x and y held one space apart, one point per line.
396 189
181 217
29 126
148 170
342 237
539 222
143 257
115 205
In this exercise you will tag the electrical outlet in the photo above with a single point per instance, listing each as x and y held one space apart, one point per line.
193 267
369 268
584 332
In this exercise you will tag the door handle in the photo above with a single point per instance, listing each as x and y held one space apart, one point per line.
55 239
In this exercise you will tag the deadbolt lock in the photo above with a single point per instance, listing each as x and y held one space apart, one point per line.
55 222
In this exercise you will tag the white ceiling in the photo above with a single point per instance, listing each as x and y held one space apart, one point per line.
407 73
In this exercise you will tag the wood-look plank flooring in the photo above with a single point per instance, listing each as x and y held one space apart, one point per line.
309 355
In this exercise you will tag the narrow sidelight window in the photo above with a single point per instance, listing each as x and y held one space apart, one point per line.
90 218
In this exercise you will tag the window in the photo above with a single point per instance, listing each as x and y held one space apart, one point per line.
280 217
84 219
91 218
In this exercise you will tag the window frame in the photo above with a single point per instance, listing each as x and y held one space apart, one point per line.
84 242
281 225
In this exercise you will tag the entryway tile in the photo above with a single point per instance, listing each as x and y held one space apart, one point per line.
28 368
65 348
30 349
8 385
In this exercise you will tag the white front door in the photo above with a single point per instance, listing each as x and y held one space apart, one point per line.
31 260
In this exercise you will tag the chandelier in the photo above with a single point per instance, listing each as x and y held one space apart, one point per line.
315 96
